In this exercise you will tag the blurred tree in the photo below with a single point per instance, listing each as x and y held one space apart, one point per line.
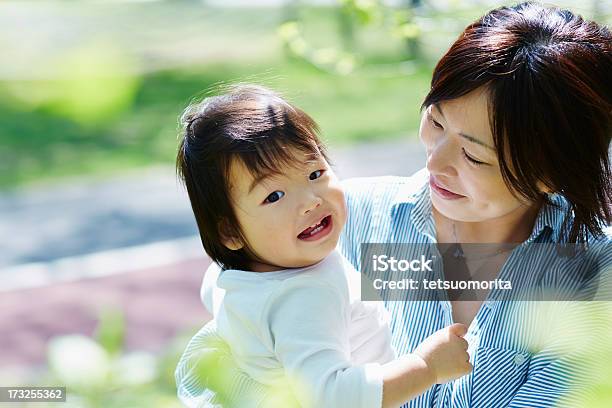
355 13
290 10
412 43
351 15
346 27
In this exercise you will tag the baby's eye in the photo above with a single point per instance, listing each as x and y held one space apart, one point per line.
274 197
316 174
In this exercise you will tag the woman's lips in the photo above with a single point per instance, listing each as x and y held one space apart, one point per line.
320 230
442 192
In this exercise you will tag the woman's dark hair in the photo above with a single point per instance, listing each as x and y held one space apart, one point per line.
548 74
250 124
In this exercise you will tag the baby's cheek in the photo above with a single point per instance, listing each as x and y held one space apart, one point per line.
342 208
281 228
335 186
335 192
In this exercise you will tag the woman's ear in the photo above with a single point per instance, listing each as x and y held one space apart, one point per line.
229 238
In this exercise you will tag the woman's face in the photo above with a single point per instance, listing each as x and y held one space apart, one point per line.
465 179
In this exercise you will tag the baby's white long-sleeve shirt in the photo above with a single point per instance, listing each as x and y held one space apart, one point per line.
305 330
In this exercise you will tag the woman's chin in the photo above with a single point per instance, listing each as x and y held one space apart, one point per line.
454 210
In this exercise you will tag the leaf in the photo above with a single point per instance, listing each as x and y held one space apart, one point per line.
111 331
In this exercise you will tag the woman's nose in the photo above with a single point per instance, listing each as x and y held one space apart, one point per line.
440 157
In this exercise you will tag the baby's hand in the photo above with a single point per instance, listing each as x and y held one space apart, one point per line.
445 353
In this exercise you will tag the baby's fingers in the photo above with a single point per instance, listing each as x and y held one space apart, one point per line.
467 367
458 329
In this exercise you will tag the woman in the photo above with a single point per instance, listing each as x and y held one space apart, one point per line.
517 128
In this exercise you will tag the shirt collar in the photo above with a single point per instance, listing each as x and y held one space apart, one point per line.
416 193
551 216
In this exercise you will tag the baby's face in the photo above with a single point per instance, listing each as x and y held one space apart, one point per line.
290 220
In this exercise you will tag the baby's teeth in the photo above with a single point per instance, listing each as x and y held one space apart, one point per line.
314 231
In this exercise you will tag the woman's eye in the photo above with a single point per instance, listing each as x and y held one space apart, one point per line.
435 124
316 174
471 159
274 197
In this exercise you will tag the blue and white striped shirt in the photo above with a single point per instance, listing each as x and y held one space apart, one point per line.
521 355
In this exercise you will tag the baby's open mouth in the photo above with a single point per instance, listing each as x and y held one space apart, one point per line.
316 231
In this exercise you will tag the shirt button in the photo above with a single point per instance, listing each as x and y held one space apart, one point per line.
519 359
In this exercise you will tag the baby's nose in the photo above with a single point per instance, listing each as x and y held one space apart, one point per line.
312 204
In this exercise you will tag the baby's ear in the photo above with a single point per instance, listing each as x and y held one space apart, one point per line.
229 238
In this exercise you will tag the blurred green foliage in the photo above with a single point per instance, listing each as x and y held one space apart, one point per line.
43 142
99 373
91 91
579 332
98 107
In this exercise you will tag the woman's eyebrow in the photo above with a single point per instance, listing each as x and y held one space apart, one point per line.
465 136
475 140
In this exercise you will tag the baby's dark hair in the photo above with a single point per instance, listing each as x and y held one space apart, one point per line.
253 125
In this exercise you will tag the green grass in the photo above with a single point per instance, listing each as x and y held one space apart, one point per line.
54 128
40 144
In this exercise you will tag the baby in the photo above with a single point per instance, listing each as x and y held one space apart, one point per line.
270 212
